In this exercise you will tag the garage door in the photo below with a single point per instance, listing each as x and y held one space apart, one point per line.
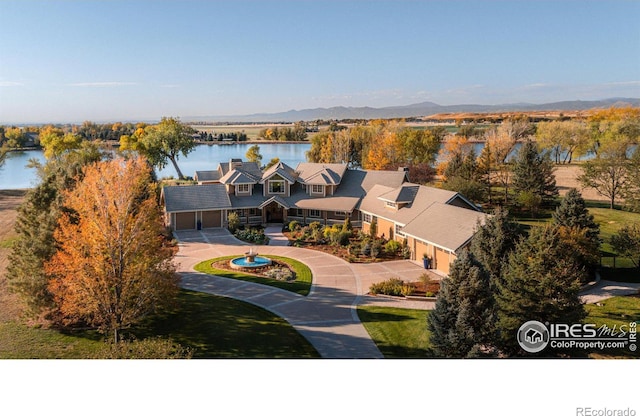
442 260
185 221
211 219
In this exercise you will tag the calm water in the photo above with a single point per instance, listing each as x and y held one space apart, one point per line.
15 175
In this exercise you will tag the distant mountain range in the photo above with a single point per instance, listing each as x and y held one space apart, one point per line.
414 110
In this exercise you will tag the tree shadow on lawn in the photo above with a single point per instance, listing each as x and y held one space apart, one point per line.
218 327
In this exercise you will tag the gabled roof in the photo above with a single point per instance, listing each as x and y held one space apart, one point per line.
423 197
321 173
279 200
195 198
236 176
447 226
207 175
251 169
281 169
404 194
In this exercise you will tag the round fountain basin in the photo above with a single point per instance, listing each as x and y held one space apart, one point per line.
244 263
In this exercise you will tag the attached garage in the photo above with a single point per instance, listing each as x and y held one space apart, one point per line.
211 219
193 207
184 221
442 260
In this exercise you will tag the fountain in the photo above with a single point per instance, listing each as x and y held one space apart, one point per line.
251 260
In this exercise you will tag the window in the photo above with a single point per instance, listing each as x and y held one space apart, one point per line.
340 214
243 188
366 217
314 213
317 189
399 230
276 187
391 204
254 212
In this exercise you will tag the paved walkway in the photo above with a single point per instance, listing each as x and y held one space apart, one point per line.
327 317
276 238
606 289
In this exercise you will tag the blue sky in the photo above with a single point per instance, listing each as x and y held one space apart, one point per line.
69 61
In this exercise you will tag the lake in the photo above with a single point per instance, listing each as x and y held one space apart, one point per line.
15 175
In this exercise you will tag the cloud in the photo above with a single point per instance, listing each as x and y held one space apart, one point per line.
102 84
10 84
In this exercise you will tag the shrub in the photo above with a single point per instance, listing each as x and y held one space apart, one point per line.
347 224
252 235
343 238
280 273
407 290
151 348
391 287
293 225
376 247
234 221
392 247
365 248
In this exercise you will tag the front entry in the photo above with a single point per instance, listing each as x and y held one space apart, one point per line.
273 212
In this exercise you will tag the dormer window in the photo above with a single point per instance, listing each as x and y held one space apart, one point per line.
317 189
390 204
243 188
276 187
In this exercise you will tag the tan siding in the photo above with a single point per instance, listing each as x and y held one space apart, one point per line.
385 227
442 260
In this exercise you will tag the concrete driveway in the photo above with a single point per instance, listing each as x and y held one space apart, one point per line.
327 317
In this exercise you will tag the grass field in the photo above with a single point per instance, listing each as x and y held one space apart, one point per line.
398 333
403 333
302 284
212 326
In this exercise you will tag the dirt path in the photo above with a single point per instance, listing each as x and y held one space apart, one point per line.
567 178
10 200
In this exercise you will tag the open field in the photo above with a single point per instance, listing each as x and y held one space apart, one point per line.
251 130
10 200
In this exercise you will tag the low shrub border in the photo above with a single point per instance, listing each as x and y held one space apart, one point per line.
301 286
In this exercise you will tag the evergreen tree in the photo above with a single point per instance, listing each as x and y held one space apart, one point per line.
493 241
540 282
37 220
533 173
463 320
573 212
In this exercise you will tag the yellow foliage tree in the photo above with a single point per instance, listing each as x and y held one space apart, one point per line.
112 268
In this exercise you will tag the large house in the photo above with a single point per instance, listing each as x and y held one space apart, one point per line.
435 223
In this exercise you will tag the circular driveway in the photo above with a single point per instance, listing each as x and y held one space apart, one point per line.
327 317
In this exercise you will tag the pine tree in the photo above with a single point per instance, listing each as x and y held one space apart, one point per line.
37 220
463 319
493 241
573 212
533 173
540 282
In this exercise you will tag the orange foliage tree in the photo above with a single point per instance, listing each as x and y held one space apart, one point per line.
111 268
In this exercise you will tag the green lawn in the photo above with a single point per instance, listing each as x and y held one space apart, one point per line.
616 311
302 284
403 333
212 326
398 333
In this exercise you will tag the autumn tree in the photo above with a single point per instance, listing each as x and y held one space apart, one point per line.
162 143
627 242
15 138
563 138
111 268
607 174
613 130
631 191
500 143
37 220
56 142
253 154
